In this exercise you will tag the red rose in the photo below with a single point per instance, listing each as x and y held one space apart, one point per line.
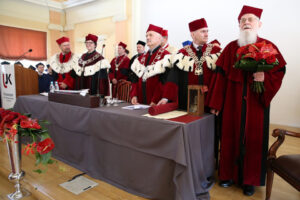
271 59
45 146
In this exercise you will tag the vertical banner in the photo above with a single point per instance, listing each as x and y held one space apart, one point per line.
8 86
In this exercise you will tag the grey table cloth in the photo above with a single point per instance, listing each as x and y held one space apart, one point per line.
156 159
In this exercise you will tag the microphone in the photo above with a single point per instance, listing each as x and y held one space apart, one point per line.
98 80
29 50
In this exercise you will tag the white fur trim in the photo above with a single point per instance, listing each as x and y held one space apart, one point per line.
172 49
183 62
92 69
211 60
151 70
62 68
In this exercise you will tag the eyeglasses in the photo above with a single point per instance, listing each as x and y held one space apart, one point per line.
250 19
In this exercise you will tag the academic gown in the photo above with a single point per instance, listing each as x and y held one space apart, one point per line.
176 87
245 124
62 66
88 77
120 72
150 89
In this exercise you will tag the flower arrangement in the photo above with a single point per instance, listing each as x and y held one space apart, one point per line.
257 57
41 145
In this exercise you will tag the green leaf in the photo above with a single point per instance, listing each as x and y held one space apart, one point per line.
50 161
38 171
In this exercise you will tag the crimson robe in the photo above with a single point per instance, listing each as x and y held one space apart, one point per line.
151 89
88 77
176 87
66 76
123 69
245 125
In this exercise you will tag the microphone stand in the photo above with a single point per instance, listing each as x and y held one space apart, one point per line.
102 103
29 50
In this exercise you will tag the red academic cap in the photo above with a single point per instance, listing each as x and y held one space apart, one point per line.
250 10
92 37
197 24
154 28
62 40
164 33
122 45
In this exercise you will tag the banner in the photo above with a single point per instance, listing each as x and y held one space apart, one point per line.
8 86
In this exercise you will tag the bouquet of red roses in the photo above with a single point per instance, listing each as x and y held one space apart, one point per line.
41 145
257 57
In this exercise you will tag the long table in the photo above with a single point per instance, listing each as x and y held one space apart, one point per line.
152 158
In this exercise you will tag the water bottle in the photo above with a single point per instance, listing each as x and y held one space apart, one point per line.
51 89
56 86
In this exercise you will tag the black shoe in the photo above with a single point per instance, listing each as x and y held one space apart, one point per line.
248 190
226 183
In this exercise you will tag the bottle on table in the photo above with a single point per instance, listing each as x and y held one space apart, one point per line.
52 88
56 86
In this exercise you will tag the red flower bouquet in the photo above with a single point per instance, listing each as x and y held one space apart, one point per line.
258 57
13 123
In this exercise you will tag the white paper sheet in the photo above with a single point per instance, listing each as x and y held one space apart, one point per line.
168 115
136 107
79 185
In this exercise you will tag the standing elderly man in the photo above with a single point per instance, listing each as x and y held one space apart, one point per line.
63 63
190 65
140 48
245 125
147 86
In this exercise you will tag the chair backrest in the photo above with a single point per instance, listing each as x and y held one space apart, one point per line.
123 90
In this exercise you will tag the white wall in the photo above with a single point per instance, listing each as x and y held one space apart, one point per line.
280 25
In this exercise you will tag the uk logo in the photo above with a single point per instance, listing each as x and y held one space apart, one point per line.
6 80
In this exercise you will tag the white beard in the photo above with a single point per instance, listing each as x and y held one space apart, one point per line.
247 37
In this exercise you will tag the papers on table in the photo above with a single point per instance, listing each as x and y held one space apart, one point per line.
136 107
79 185
44 94
168 115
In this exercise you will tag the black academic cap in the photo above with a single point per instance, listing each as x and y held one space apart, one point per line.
5 63
141 43
19 63
31 67
39 64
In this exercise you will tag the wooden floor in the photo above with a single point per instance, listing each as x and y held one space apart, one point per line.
46 186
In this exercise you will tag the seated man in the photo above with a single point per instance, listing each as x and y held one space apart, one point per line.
44 79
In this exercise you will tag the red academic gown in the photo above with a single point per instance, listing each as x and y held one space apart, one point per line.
176 87
90 78
122 71
66 76
151 89
245 125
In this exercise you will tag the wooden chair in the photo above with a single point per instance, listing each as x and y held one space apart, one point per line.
286 166
123 90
